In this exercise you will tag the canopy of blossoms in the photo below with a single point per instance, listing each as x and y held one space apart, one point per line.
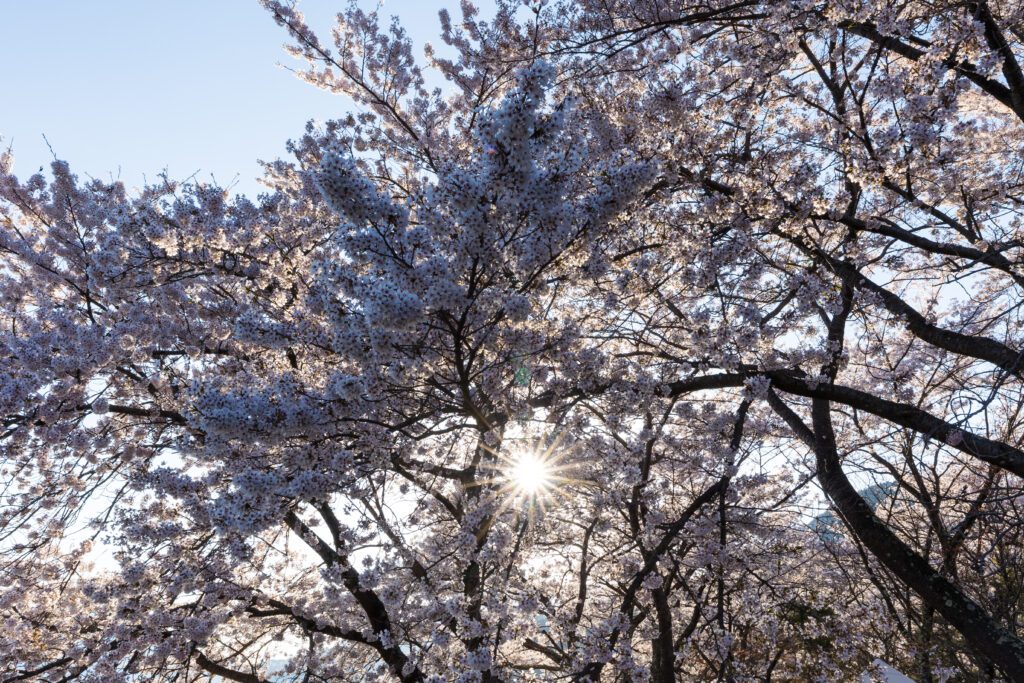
672 340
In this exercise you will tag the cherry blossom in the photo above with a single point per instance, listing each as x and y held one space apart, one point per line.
667 342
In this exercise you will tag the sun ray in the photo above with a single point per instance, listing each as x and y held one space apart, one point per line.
530 473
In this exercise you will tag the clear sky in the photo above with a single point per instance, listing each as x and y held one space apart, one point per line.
128 88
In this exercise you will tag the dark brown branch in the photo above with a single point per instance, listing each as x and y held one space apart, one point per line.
994 88
226 672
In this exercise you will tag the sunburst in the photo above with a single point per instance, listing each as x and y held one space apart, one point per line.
530 474
533 474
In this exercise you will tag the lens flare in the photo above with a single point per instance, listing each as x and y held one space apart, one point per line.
530 473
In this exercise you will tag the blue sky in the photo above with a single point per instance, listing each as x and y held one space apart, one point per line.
128 88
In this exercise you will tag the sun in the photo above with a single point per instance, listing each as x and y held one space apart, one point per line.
533 474
530 473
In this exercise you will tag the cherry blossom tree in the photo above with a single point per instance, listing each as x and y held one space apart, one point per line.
671 340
